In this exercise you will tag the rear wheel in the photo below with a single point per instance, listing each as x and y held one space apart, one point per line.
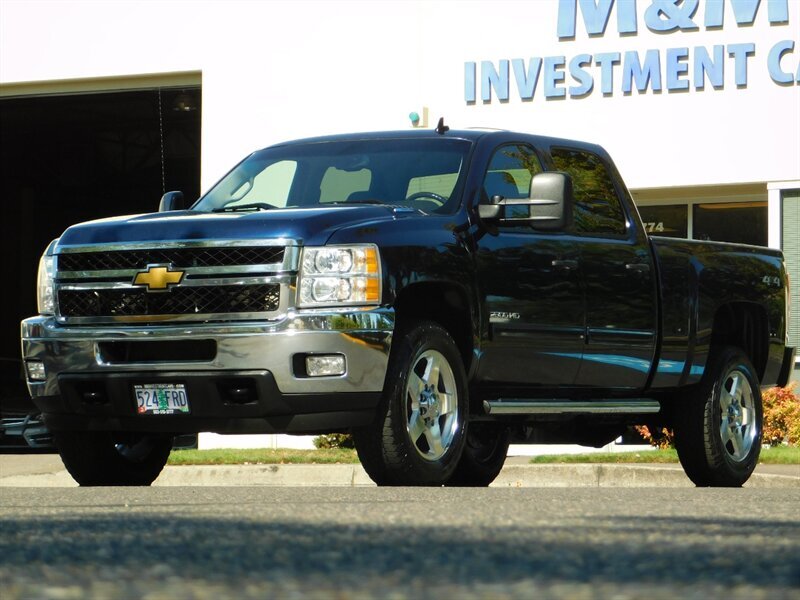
105 458
718 430
483 457
418 436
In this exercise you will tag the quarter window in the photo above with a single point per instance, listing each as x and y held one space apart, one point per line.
598 209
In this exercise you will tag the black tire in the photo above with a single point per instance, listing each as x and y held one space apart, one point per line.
104 458
718 427
483 457
399 447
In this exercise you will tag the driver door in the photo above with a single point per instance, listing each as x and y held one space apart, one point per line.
530 282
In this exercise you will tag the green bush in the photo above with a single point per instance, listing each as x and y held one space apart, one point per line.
334 440
660 439
781 416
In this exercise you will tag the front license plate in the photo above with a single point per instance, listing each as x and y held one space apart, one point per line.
161 399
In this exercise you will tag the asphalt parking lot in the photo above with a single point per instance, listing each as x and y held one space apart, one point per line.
359 542
250 532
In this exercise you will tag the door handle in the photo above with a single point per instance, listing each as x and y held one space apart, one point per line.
567 265
638 267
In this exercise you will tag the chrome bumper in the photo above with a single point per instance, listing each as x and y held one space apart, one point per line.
364 337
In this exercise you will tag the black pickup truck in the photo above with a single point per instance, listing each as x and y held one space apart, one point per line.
436 293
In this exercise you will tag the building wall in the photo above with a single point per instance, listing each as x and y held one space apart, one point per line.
278 70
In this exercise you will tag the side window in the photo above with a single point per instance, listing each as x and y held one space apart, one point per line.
509 175
339 186
597 207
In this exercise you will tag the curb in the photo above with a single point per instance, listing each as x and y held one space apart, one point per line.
512 476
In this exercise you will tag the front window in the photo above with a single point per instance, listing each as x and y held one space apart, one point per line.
422 174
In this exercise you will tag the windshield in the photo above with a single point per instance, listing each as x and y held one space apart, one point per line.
419 174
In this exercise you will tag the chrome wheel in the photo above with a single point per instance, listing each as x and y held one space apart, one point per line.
718 423
432 419
738 428
418 435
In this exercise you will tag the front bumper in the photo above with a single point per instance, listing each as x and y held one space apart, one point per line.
88 387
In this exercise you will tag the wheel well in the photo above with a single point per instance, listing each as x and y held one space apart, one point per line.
745 326
444 304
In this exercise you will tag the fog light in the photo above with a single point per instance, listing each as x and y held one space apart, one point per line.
35 370
323 365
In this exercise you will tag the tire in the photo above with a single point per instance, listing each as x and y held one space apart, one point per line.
102 458
418 435
484 455
718 430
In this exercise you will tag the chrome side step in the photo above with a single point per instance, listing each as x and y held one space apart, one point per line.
635 406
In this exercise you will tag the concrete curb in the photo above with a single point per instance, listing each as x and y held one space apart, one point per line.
518 476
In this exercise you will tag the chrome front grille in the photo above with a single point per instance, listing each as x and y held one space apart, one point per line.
178 301
221 280
180 258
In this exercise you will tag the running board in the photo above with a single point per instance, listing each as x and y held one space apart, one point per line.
564 407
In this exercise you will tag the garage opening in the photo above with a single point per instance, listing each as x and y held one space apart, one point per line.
66 158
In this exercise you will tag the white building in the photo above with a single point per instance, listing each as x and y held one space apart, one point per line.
698 101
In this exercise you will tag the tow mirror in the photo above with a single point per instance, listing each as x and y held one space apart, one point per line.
549 205
551 201
171 201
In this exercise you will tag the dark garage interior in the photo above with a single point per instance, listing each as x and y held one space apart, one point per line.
71 158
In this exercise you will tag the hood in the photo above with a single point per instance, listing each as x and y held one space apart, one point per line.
310 227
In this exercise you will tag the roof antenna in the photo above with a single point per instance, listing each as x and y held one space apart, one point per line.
441 128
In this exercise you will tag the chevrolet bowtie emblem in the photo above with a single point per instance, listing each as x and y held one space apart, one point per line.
158 278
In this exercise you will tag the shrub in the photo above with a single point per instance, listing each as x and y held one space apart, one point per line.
781 416
663 438
334 440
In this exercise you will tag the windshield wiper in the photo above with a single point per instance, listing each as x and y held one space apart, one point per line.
252 206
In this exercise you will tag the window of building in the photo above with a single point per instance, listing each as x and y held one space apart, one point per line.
598 209
668 220
741 222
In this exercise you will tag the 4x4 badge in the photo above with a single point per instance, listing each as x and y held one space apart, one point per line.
158 278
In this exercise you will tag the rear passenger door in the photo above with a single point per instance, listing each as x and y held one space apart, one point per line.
618 277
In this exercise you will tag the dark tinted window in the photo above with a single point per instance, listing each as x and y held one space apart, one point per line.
509 175
671 220
741 222
597 206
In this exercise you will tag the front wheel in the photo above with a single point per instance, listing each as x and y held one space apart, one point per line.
418 436
718 430
483 457
106 458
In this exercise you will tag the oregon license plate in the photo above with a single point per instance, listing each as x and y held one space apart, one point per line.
161 399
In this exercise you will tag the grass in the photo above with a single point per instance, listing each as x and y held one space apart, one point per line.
262 456
778 455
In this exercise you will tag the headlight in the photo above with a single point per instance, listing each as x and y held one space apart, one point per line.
45 290
339 276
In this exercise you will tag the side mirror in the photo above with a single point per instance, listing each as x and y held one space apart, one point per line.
549 204
551 201
171 201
